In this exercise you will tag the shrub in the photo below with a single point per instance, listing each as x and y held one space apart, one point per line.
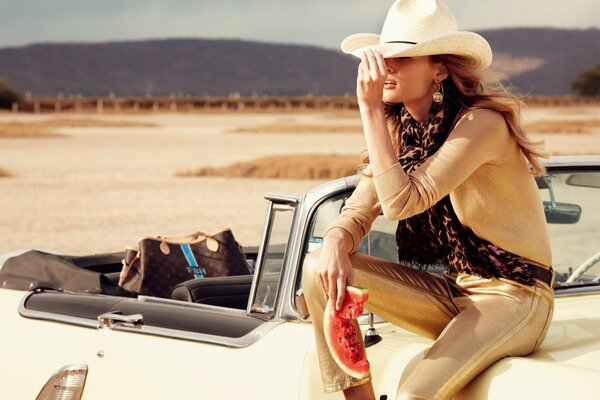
587 82
4 173
8 96
296 166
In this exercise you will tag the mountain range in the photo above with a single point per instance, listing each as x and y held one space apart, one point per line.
539 61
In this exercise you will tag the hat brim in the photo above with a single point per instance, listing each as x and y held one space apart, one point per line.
466 44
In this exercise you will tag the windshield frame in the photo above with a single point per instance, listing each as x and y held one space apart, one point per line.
278 202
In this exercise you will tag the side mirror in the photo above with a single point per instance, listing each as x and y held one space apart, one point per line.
561 213
557 212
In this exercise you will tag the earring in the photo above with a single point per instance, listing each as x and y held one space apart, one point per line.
438 95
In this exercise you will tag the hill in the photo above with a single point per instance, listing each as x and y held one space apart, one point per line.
191 66
535 60
558 54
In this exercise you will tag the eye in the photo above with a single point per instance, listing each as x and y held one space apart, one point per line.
398 60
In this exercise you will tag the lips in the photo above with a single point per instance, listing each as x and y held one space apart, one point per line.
390 84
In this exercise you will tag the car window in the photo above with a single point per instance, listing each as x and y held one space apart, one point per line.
572 205
380 242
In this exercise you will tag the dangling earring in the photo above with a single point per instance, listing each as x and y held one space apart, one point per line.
438 95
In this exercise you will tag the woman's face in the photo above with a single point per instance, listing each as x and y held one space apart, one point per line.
410 79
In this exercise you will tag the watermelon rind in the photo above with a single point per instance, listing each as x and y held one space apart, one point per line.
358 291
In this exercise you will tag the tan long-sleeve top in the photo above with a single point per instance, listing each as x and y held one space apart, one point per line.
487 176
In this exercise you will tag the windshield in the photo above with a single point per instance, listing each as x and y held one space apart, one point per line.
572 204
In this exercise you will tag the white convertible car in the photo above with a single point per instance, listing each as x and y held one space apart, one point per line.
242 337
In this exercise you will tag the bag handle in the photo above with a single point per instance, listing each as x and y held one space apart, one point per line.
211 243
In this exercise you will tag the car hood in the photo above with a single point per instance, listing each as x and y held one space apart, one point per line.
574 335
565 366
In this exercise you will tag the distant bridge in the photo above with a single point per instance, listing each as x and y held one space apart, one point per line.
179 104
228 104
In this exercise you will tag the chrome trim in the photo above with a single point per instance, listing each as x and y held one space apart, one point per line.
366 319
576 292
260 256
46 316
288 198
243 341
572 161
200 306
284 288
310 203
113 319
282 201
67 319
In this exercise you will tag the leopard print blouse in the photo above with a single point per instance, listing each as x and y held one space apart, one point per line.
436 237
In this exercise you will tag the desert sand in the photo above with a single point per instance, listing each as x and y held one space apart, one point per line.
99 182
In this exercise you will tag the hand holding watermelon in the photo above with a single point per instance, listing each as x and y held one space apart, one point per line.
341 333
335 268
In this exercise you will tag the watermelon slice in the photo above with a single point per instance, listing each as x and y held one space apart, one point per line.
341 335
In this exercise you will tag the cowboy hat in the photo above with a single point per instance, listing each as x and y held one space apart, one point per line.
421 28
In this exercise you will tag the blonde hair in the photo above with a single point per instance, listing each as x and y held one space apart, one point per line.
471 89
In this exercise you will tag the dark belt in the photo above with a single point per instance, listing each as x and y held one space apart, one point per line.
543 274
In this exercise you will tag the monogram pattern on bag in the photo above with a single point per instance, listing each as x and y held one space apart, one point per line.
153 272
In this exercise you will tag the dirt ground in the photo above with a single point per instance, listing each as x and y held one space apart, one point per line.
92 183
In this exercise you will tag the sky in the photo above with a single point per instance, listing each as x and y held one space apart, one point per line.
322 23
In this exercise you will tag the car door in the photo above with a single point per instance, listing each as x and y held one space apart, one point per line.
155 348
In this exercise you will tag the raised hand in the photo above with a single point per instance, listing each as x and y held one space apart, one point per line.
372 73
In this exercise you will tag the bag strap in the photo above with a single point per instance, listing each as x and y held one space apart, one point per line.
185 238
211 243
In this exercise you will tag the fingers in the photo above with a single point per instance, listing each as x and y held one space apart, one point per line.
363 67
341 292
333 289
333 292
361 71
364 64
324 285
381 63
330 281
373 64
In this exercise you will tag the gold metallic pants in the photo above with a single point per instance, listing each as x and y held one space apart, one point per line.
475 321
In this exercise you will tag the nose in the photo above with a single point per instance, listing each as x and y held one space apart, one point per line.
388 66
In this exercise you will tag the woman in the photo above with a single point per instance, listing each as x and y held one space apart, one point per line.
448 160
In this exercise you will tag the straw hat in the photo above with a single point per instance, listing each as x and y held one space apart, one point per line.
421 28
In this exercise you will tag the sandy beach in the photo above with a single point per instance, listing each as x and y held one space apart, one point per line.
99 186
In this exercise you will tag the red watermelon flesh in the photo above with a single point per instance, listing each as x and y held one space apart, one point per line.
341 334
